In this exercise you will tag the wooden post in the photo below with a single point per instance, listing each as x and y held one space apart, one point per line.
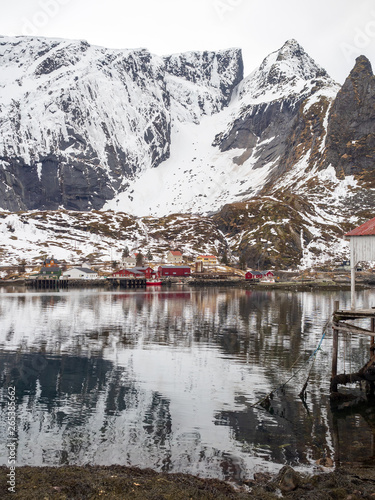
372 347
352 285
370 385
335 349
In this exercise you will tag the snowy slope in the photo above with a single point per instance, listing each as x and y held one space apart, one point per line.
229 156
101 237
196 178
56 89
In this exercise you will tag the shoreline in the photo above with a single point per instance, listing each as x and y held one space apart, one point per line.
122 482
279 285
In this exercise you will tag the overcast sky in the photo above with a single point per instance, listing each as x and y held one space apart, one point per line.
333 32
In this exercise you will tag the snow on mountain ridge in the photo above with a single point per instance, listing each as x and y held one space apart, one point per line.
66 77
283 73
101 236
201 83
78 121
230 156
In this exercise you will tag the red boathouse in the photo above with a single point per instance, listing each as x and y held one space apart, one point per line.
174 271
135 272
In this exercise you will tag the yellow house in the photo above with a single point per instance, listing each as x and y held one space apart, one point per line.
208 260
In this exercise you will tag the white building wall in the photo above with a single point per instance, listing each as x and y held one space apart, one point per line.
128 262
174 259
362 248
78 274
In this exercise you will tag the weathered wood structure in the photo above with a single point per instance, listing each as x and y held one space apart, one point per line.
341 325
125 282
47 283
362 249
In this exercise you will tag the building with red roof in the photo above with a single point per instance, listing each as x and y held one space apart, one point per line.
362 249
135 272
174 271
174 257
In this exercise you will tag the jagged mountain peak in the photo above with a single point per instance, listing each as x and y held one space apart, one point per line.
360 84
291 49
362 79
362 67
287 71
350 134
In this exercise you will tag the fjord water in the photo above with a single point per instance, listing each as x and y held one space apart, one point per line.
168 379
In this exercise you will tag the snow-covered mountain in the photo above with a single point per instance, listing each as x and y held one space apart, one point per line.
77 122
230 156
280 162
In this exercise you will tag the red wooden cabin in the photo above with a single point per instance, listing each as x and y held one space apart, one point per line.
135 272
174 271
254 275
259 275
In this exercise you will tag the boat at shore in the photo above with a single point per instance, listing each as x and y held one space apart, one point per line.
153 282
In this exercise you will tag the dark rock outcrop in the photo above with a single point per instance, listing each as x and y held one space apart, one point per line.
350 144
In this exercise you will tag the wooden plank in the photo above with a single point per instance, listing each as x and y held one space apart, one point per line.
359 313
345 327
356 312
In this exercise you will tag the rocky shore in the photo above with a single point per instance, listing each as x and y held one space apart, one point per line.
120 482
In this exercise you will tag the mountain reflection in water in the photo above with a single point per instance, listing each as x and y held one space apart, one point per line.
169 379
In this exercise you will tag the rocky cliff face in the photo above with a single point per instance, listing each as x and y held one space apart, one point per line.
201 83
77 121
275 120
275 102
350 144
322 180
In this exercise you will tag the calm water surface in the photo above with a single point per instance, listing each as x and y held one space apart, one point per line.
168 379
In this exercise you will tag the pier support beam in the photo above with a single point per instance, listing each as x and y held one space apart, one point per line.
372 347
335 350
352 284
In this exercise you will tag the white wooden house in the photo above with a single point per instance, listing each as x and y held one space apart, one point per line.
129 261
79 273
362 249
174 257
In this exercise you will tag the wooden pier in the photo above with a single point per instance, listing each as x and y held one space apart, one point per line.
341 325
128 282
47 283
